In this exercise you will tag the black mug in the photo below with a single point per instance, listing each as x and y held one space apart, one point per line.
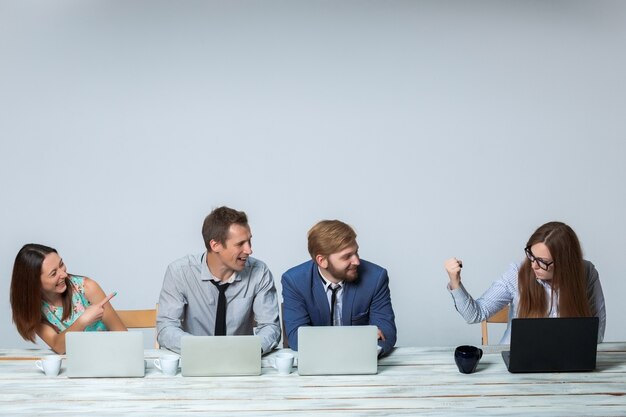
467 358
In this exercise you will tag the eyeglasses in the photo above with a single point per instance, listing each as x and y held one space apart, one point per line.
541 263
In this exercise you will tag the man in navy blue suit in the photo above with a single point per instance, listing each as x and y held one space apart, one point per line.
337 288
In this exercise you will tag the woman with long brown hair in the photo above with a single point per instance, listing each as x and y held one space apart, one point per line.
48 302
553 281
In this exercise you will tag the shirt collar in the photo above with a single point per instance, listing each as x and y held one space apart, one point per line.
545 284
326 282
206 274
230 280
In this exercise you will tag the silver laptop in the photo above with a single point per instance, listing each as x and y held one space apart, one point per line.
220 355
337 350
104 354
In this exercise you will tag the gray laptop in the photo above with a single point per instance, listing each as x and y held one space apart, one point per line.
220 355
552 345
104 354
337 350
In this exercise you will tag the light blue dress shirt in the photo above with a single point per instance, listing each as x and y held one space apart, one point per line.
504 291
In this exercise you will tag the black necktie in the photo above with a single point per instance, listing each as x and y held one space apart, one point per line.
333 300
220 316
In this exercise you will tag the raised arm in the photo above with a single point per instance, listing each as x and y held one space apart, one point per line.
497 296
453 268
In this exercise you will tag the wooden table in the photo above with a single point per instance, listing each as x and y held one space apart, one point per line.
410 381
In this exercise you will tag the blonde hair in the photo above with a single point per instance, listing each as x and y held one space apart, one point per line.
330 236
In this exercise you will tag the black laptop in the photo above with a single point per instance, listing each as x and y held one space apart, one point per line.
553 345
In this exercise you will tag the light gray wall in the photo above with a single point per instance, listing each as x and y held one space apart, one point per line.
435 128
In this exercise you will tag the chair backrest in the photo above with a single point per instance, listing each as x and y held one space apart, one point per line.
139 319
501 316
282 322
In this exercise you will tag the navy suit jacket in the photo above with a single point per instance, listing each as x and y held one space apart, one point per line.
365 301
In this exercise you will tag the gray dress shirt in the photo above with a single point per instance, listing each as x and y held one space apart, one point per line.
188 303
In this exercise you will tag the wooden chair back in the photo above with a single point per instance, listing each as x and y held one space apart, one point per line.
501 316
139 319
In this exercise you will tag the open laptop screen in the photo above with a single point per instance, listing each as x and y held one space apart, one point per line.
104 354
337 350
220 355
553 344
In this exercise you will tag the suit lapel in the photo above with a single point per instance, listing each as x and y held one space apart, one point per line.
319 297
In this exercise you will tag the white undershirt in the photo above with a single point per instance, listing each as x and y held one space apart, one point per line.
553 297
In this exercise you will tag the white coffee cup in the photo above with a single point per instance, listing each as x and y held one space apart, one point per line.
283 362
50 365
168 364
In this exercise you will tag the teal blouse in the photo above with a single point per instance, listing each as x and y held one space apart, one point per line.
79 303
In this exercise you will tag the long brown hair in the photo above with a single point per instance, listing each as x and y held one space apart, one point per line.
26 294
569 277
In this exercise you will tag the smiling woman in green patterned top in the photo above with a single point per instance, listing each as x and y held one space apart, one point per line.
48 302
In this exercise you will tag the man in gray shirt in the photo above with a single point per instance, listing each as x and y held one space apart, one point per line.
221 291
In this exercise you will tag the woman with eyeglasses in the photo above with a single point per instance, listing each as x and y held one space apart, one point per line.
553 281
48 302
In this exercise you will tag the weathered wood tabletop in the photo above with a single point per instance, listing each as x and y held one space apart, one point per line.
410 381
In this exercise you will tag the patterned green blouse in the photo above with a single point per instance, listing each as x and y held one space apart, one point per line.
79 303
